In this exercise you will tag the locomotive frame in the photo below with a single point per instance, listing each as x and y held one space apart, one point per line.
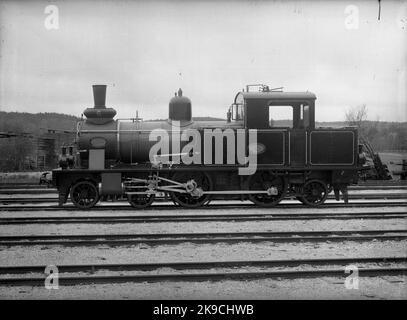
300 161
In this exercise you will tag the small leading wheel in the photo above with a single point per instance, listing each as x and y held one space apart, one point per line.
263 180
84 195
200 181
140 201
315 193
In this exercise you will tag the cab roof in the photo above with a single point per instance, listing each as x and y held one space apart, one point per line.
276 95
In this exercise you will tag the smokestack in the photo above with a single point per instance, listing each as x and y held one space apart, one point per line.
99 96
99 114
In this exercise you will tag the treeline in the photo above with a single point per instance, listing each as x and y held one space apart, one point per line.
35 123
384 136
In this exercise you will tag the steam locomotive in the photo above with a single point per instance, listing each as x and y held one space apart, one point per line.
248 156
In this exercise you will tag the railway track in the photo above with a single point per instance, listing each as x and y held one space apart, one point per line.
200 238
8 203
201 271
215 271
201 218
213 205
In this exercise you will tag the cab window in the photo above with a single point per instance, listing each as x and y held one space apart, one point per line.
304 115
280 116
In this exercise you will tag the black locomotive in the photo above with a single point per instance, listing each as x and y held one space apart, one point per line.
247 156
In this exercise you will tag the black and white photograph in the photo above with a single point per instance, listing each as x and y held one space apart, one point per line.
203 151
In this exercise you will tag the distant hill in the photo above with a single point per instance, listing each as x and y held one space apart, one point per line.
24 152
34 122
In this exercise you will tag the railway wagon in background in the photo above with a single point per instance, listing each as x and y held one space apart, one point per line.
251 155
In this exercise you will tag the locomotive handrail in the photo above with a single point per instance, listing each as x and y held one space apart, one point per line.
130 119
113 131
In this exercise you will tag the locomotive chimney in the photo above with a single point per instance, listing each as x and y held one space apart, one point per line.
99 96
99 114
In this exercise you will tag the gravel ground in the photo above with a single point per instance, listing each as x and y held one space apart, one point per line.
326 287
141 253
169 270
320 288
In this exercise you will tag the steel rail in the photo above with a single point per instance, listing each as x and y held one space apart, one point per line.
351 196
201 218
219 276
200 265
28 191
218 237
210 206
377 187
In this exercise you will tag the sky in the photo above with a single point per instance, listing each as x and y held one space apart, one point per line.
145 50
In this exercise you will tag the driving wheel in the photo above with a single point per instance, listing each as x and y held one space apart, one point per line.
196 182
263 180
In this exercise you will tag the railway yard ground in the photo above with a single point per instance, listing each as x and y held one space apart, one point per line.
225 250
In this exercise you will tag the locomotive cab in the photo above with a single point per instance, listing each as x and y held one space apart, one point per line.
265 110
282 120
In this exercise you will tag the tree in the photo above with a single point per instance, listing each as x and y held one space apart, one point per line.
357 116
